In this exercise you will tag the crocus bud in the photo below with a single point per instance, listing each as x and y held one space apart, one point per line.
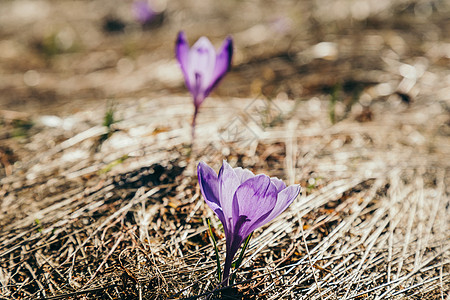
202 67
143 12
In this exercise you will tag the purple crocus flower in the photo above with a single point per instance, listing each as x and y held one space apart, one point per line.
143 12
243 202
202 67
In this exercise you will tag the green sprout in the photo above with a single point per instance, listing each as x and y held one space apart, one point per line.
270 115
219 271
333 99
108 120
57 43
111 165
21 128
313 183
38 224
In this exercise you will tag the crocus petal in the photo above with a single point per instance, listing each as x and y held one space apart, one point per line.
182 54
243 174
201 61
223 63
253 201
278 183
142 11
284 199
228 184
209 186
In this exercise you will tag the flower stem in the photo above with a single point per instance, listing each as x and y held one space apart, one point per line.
227 279
227 269
238 262
219 272
193 123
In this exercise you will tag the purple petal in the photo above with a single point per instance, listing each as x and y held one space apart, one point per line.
284 199
142 11
243 174
228 184
201 61
182 54
253 201
278 183
209 186
222 64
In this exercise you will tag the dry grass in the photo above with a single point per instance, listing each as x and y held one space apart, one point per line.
124 219
91 212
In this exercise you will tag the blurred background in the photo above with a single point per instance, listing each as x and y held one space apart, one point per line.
59 56
96 152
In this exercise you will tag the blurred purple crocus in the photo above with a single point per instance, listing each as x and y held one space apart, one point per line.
243 202
143 12
202 67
